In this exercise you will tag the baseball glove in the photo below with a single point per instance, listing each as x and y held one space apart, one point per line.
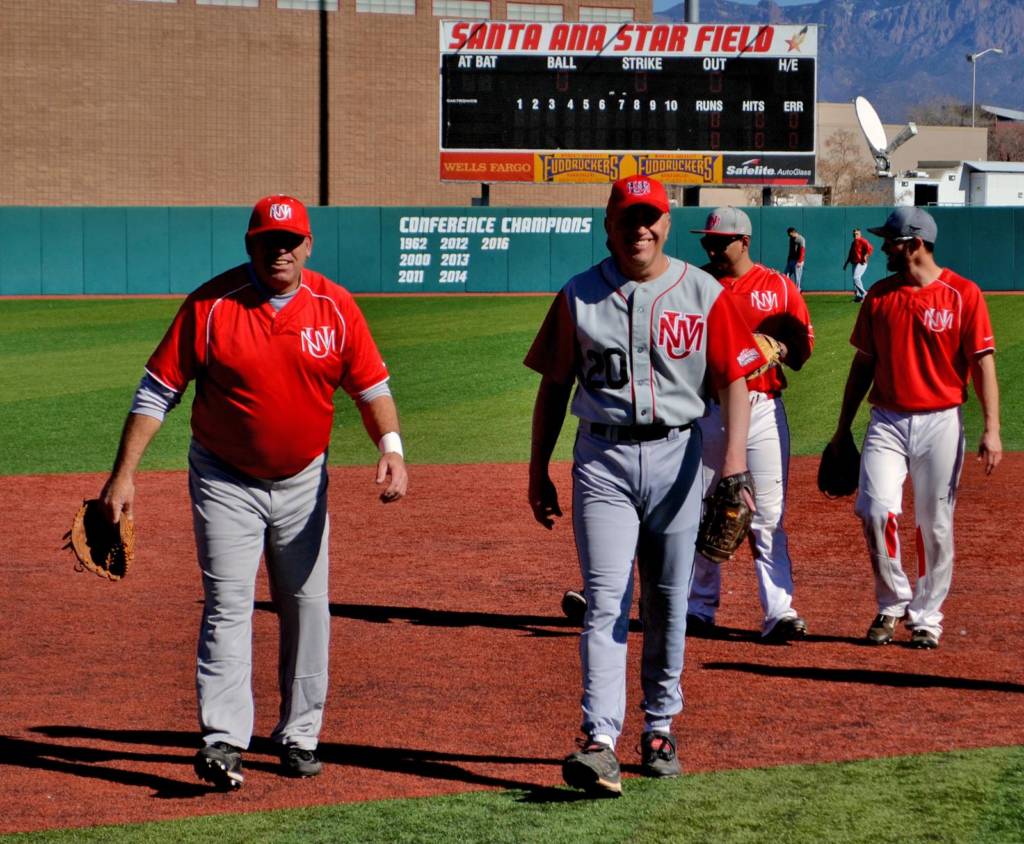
101 547
726 518
839 469
771 349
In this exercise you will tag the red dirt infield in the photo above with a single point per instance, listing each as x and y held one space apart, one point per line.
452 667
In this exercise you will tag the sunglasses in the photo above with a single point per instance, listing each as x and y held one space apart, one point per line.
274 240
719 241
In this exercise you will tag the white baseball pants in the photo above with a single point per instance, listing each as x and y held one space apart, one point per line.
237 520
768 461
931 447
858 283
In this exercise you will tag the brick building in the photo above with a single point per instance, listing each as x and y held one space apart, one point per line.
215 102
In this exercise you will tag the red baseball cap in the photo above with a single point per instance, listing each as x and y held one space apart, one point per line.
279 213
637 190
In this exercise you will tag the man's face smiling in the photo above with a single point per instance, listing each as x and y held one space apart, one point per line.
278 258
636 239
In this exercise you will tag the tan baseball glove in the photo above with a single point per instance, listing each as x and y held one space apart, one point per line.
771 349
99 546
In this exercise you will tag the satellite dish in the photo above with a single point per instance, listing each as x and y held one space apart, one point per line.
874 134
870 125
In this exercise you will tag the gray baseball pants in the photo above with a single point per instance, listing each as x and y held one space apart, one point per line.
635 500
238 519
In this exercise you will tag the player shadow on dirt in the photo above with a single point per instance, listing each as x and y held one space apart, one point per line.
720 633
101 763
534 625
868 676
105 764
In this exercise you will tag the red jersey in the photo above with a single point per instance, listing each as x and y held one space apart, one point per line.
265 379
860 251
923 340
770 303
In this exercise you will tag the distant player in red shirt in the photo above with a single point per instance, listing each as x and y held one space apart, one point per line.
796 257
267 343
921 335
857 257
769 303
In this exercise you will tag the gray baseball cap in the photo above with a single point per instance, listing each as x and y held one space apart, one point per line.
726 221
908 221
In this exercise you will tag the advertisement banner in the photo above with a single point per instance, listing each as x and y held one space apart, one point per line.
768 169
581 168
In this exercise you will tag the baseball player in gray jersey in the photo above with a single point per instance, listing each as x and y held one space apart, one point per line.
643 336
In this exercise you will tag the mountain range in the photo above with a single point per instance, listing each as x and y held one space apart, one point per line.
900 54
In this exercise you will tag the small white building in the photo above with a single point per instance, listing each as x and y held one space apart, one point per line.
961 183
993 182
933 183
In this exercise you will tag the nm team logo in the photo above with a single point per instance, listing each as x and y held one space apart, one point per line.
764 300
938 319
680 334
318 342
280 211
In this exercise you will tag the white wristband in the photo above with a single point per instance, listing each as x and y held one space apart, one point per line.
391 441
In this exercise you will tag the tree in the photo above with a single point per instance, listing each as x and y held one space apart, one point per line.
946 112
1006 142
845 172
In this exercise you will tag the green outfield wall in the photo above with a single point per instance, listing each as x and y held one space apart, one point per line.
144 250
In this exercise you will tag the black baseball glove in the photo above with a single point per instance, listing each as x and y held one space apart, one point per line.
839 469
726 519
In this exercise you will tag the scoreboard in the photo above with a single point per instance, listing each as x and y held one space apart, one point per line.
583 102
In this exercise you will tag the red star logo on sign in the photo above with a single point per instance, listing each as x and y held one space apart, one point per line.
797 40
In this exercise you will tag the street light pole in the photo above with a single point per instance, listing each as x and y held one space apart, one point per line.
973 59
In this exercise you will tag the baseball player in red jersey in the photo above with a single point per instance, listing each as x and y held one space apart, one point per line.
921 335
796 256
267 343
770 303
857 257
641 336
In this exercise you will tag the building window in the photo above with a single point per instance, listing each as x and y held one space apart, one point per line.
602 14
309 5
387 7
542 12
462 9
248 4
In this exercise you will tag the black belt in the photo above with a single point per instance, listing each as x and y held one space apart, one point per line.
633 433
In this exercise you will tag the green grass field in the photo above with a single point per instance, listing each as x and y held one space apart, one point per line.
952 797
67 372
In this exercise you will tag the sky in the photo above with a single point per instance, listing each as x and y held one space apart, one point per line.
661 5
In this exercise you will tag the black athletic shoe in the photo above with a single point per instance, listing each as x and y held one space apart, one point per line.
882 629
299 762
574 605
658 755
786 630
593 768
924 639
700 628
220 764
